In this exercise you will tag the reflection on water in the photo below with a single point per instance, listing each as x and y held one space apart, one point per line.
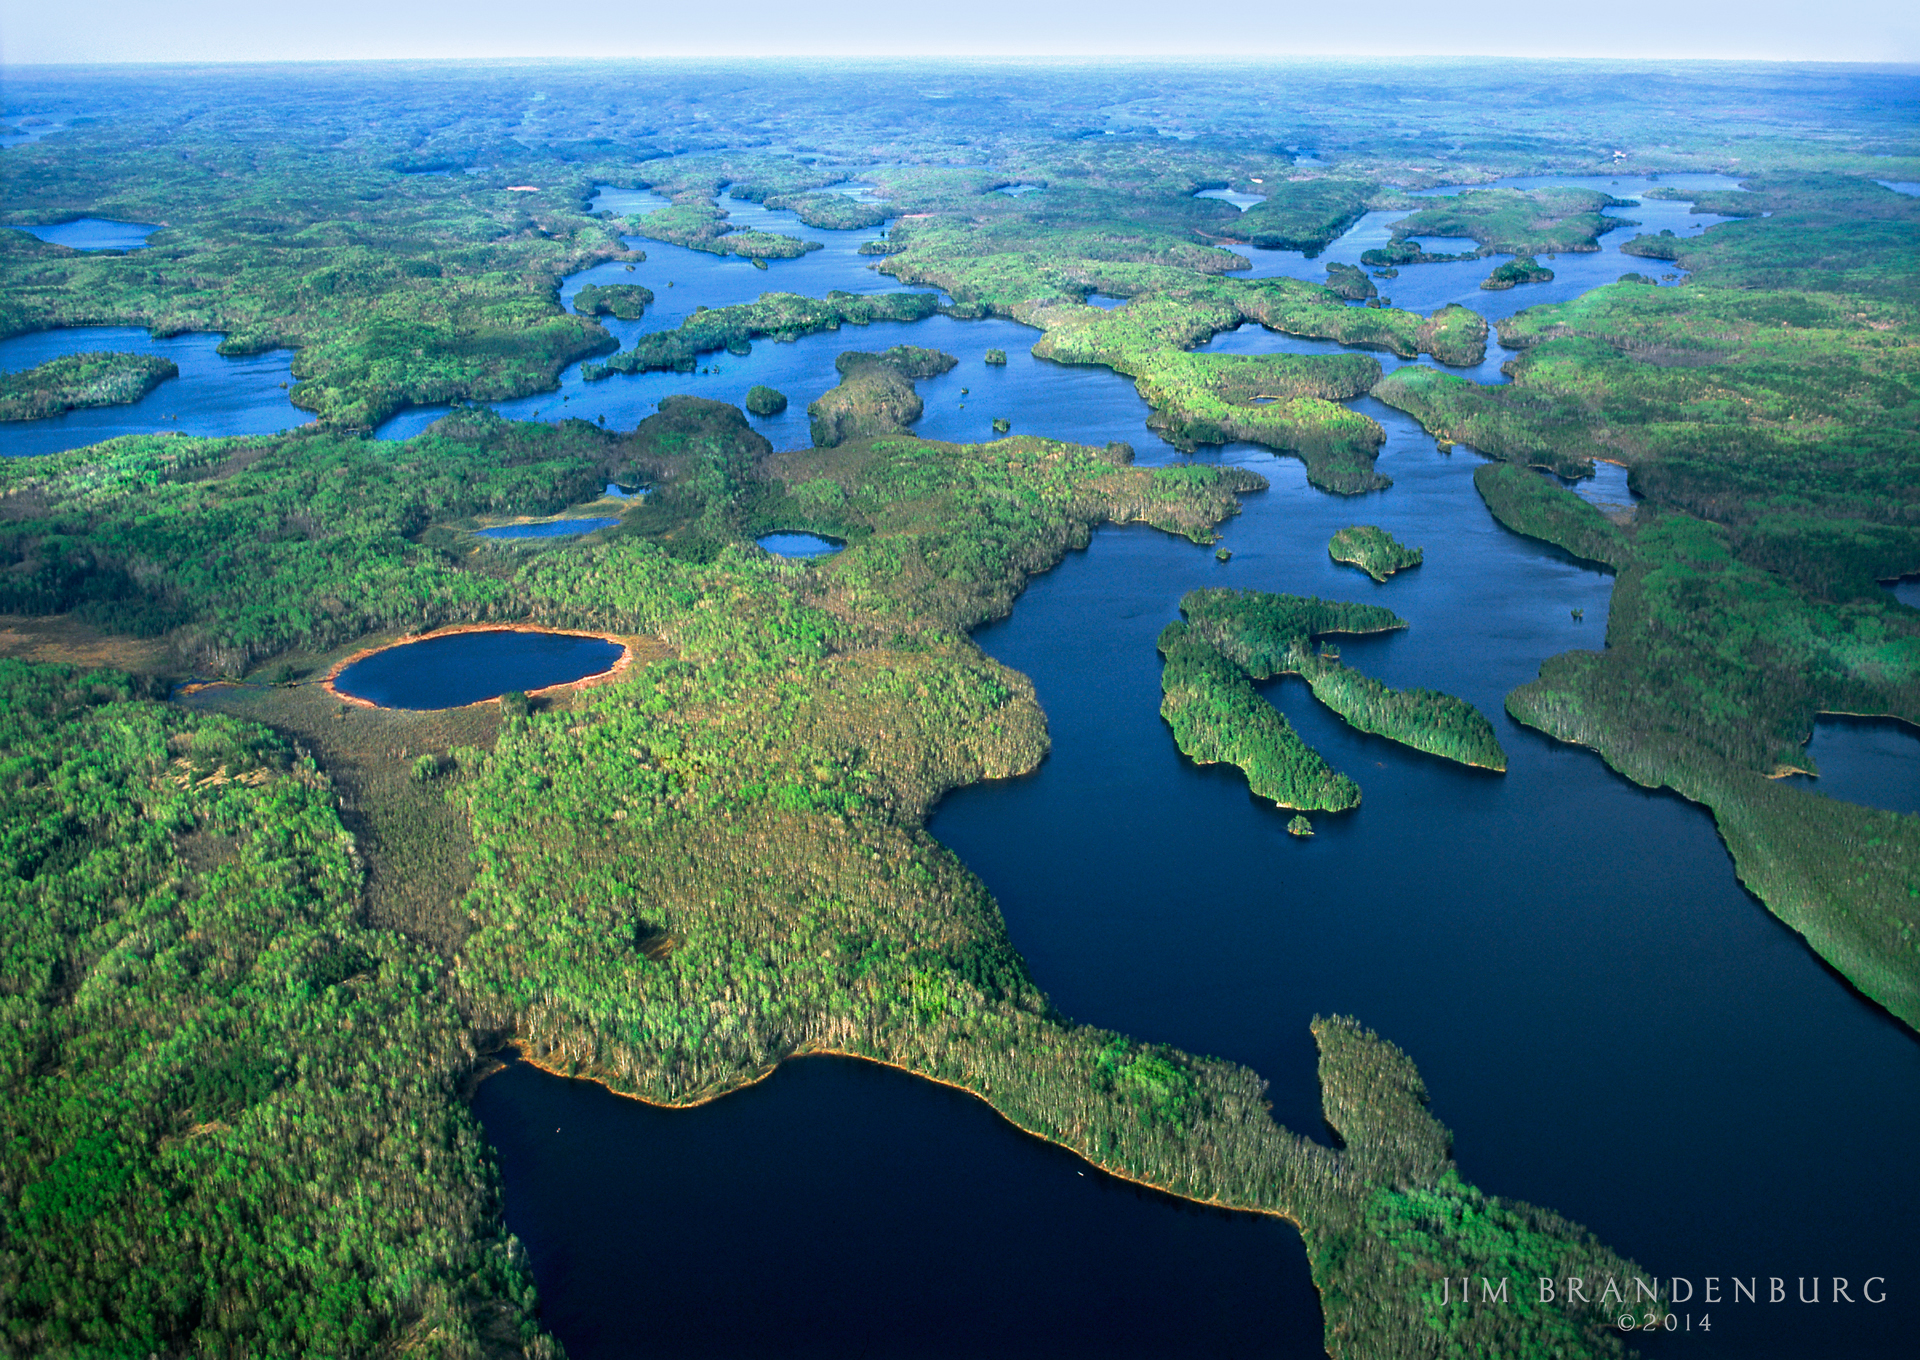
1087 405
1534 939
1426 287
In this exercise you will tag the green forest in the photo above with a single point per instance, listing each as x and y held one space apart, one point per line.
79 380
260 944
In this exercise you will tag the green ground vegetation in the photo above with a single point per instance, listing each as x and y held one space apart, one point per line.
765 401
680 879
1528 504
1217 715
779 316
875 394
1515 221
1288 402
1520 269
407 234
1763 408
627 301
1350 282
1269 635
237 549
719 862
695 221
1396 253
1372 549
74 381
1307 214
231 1118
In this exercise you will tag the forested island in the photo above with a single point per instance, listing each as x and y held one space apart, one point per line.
1375 551
260 944
75 381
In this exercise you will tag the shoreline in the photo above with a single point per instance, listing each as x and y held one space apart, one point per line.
620 666
806 1051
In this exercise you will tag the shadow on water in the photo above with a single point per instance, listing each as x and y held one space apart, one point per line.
844 1209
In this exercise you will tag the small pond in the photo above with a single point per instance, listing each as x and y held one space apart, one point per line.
549 528
798 545
96 233
457 669
1871 761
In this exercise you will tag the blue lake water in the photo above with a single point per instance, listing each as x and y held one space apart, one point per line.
213 395
1085 404
1907 591
27 128
96 233
793 544
1609 1023
1875 761
842 1209
1427 287
1900 186
465 668
1540 941
549 528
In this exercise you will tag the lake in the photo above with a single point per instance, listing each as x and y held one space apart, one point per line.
213 395
1611 1025
95 233
843 1209
457 669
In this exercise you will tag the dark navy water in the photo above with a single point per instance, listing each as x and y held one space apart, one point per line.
1611 1026
1907 591
465 668
95 233
548 528
1875 761
799 545
1608 1022
841 1209
212 396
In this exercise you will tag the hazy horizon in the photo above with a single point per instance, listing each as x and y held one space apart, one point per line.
1874 32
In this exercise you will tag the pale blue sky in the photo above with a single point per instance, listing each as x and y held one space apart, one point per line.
247 30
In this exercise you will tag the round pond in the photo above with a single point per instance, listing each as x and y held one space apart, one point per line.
464 668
